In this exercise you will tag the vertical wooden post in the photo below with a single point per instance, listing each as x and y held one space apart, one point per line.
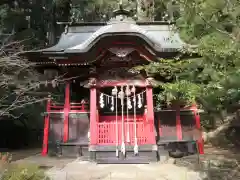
178 123
46 128
93 116
150 112
200 142
66 112
159 125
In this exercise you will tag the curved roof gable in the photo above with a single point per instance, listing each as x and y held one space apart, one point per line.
80 39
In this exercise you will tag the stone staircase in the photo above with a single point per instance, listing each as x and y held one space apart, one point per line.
109 157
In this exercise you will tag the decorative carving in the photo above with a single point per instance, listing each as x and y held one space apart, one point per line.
115 61
121 52
120 73
92 81
93 70
149 81
121 57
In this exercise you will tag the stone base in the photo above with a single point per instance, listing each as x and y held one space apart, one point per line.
92 155
163 154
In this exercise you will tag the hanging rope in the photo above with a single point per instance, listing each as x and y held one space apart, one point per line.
121 95
136 98
128 93
114 92
128 129
116 128
135 122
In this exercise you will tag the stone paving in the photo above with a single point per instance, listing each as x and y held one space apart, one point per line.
214 165
81 170
47 162
76 169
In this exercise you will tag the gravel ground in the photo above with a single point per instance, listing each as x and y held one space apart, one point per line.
80 170
76 169
45 162
215 164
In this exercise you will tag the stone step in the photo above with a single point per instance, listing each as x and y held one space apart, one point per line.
125 161
109 157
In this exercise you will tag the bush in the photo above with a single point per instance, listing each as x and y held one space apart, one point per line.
10 171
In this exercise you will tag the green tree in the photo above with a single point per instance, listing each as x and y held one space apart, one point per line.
211 25
212 79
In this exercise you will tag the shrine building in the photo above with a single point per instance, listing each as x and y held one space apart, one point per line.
108 114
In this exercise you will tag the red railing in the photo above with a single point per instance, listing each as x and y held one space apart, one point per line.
110 129
107 133
74 107
176 129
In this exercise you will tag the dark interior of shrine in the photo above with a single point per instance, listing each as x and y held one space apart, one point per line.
79 93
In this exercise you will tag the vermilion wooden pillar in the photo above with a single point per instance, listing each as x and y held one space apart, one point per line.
200 142
93 115
66 112
46 129
178 123
150 111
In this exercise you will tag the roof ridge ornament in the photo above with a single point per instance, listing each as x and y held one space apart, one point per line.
121 10
120 4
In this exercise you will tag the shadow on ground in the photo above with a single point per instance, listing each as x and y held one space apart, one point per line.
221 160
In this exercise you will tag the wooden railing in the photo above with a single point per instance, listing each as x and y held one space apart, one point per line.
81 107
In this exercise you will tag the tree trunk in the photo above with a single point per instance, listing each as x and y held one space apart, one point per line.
208 136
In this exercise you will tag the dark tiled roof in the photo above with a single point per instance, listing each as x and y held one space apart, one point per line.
81 39
161 38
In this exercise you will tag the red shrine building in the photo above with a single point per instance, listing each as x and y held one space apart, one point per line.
108 112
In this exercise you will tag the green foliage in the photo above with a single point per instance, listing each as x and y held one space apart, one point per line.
10 171
182 91
166 69
213 79
23 172
98 10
